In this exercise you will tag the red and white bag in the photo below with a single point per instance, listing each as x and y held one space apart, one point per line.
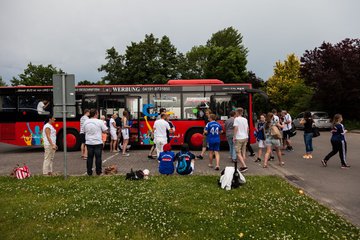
22 172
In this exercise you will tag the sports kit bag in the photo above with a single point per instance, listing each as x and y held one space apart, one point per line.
237 178
21 172
135 175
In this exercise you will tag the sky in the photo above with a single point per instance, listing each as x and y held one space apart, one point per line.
74 34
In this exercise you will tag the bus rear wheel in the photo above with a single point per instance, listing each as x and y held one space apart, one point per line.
194 138
72 140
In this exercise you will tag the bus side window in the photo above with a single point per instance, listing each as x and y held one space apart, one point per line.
7 103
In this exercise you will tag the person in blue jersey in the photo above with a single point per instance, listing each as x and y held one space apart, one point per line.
185 161
338 142
166 160
212 131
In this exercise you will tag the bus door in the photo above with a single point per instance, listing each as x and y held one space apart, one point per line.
110 104
220 105
134 107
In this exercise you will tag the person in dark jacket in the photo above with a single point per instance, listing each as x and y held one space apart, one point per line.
260 136
338 142
185 161
308 122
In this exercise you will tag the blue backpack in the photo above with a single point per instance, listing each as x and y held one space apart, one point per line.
183 167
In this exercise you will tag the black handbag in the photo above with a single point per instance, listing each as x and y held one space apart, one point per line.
316 132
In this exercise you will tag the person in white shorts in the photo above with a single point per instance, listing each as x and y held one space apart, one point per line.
260 136
113 134
270 140
125 131
160 137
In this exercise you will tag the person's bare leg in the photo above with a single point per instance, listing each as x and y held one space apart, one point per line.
217 158
211 156
267 155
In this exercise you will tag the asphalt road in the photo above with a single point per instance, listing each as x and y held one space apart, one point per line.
334 187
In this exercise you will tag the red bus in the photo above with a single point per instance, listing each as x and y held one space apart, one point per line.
21 124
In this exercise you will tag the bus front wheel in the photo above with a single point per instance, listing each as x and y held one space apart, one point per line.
194 138
72 140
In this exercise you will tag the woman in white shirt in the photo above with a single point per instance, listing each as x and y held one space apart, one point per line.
113 134
49 139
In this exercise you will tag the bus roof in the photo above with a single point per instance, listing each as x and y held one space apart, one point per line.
194 81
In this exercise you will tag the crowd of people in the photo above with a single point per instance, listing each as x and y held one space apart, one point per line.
273 134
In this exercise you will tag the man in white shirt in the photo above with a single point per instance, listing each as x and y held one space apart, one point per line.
93 129
160 136
42 105
82 134
286 130
49 139
241 134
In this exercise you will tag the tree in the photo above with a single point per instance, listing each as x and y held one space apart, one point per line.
87 82
2 83
334 72
255 81
286 89
115 67
223 57
149 61
36 75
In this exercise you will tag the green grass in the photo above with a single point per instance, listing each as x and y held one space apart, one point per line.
174 207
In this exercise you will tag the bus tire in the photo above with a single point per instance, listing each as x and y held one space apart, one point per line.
194 138
72 138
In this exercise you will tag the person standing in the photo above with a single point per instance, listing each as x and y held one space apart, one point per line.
286 130
82 134
113 133
125 131
93 129
271 141
338 142
203 150
160 138
260 136
104 135
307 122
50 147
241 134
151 134
229 130
212 131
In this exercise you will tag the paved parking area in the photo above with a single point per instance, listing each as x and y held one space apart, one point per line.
335 187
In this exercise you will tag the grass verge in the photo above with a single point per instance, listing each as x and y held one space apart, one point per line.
162 207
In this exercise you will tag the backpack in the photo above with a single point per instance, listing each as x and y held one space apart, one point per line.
183 167
137 175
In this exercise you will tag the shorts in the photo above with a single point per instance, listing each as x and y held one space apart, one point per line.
113 135
261 144
272 142
82 138
286 134
214 146
240 146
125 133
